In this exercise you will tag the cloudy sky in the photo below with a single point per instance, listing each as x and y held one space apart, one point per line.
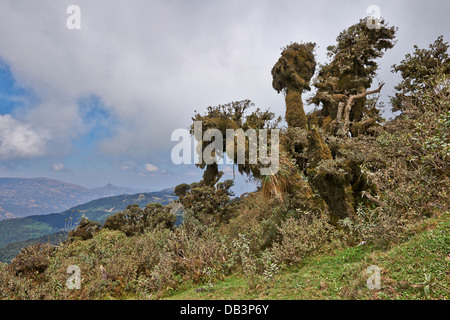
98 104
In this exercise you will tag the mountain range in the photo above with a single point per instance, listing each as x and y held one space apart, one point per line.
21 197
20 232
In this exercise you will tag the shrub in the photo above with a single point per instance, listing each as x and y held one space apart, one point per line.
301 237
134 220
85 230
210 204
32 260
377 227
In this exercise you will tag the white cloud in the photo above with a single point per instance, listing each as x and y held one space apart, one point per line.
19 140
151 168
58 166
153 62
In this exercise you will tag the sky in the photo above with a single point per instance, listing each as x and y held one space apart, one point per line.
98 104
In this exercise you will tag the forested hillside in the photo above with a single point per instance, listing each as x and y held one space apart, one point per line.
16 233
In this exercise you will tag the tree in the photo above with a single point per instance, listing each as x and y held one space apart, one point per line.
342 84
344 111
315 165
292 74
233 115
416 69
342 87
181 189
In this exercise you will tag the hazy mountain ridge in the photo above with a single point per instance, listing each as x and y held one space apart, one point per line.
20 229
21 197
20 232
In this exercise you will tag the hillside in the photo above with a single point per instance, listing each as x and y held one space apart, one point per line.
21 229
20 197
357 208
341 274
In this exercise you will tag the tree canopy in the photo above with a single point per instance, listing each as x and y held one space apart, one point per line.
351 70
417 68
292 74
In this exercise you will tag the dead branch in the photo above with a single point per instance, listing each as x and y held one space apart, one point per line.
351 100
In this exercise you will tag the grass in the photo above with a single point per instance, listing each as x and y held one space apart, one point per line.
416 269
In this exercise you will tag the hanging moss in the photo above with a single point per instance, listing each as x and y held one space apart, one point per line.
359 183
329 125
211 174
295 141
358 109
305 195
317 148
332 184
328 179
313 119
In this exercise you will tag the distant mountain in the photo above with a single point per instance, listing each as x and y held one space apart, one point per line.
21 229
21 197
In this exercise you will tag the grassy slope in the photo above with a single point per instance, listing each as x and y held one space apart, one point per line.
342 274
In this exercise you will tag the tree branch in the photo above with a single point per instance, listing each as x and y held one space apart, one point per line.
351 101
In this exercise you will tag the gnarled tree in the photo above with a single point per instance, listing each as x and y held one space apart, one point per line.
234 116
292 74
342 84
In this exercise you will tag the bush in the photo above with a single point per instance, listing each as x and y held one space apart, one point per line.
377 227
209 204
32 260
85 230
193 249
134 220
301 237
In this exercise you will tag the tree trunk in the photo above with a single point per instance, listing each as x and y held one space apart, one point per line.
339 112
295 114
350 102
